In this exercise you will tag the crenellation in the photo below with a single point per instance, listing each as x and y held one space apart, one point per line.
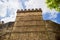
32 9
29 10
29 25
25 9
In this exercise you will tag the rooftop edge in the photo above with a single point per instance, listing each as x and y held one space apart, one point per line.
29 10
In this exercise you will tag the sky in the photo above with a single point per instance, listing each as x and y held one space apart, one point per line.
13 5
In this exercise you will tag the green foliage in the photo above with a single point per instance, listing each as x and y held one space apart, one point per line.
53 4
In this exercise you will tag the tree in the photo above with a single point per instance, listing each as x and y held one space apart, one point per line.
53 4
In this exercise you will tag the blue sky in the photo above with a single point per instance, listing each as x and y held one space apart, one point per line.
13 5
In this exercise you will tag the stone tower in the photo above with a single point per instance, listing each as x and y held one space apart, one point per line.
29 25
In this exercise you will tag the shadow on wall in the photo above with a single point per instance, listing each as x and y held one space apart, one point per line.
4 28
56 29
54 26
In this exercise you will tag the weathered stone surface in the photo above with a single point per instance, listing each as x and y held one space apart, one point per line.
29 28
29 25
30 18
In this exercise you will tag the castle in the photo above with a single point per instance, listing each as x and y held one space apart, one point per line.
29 25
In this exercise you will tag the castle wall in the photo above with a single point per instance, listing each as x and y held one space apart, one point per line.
29 25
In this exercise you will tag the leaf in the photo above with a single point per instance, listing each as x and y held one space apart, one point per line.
53 4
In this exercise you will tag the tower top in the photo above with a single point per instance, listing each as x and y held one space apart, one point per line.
29 10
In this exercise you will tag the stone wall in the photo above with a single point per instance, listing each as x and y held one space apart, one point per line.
29 25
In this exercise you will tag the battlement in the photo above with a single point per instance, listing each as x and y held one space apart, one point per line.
29 25
29 10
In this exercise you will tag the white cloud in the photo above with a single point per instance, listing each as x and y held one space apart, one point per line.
2 9
12 6
16 4
35 4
